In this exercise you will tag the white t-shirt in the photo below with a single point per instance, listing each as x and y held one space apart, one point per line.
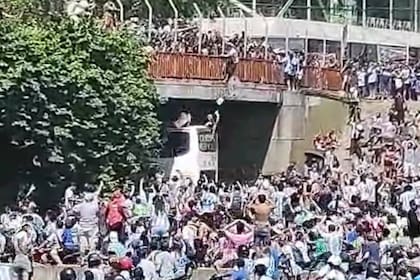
22 242
371 190
364 194
361 75
349 191
165 264
398 83
406 198
68 195
149 269
303 248
373 77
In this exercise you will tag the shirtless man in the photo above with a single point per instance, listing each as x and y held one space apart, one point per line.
260 210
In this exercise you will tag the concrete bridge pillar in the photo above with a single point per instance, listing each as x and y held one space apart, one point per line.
289 127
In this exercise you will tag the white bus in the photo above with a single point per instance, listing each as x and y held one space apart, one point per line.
191 150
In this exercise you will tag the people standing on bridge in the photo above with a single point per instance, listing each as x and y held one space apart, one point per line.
372 78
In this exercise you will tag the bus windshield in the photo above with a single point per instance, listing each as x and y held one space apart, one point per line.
175 144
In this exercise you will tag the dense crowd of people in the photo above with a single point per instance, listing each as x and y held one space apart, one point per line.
325 220
189 39
382 81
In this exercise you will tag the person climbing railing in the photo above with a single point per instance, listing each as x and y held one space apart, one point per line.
200 67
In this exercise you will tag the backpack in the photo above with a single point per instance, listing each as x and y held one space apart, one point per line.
67 239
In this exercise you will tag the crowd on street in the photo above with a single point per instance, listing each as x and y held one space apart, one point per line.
324 220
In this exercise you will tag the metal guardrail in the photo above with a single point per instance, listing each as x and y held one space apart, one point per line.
199 67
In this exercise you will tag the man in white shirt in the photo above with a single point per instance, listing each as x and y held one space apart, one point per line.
148 267
88 212
406 197
361 81
165 265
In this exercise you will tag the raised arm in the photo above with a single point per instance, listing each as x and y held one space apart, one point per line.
99 190
132 190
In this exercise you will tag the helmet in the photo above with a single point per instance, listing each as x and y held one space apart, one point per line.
68 274
93 260
373 270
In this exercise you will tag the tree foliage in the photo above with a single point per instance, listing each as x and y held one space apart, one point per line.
78 97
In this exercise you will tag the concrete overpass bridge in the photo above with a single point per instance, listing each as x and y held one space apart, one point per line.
261 122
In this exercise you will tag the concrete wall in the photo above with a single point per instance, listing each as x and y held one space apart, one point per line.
211 90
288 128
295 28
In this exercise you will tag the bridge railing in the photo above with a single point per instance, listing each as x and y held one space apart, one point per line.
200 67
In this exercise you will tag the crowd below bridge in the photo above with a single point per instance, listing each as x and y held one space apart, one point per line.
331 218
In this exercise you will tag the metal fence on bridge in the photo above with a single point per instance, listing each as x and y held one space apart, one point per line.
200 67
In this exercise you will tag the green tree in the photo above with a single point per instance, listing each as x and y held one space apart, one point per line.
79 98
162 9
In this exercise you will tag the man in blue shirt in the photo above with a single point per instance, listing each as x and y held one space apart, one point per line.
240 273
